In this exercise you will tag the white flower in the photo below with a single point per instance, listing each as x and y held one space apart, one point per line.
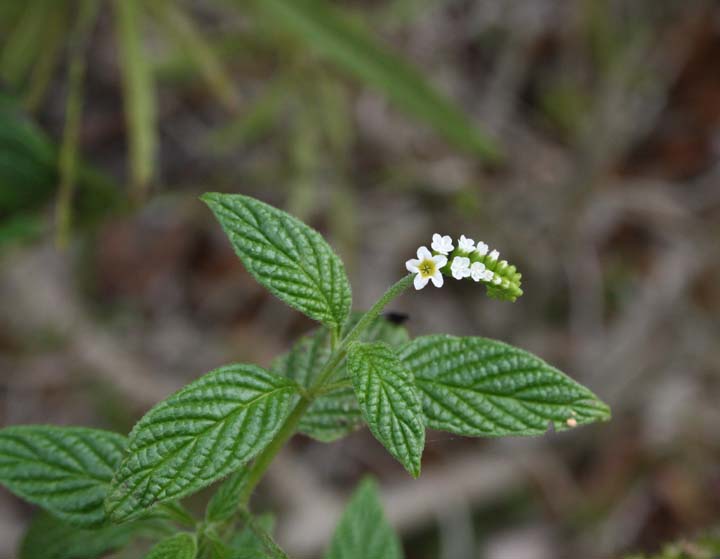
497 280
443 245
478 271
465 244
481 248
460 267
494 255
427 267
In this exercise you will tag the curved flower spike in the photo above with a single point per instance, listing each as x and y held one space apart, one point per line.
427 268
468 260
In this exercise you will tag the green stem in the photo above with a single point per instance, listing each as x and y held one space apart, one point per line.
175 511
275 551
257 471
332 387
368 318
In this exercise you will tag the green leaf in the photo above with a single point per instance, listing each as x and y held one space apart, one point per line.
139 94
336 413
480 387
28 163
179 546
289 258
65 470
332 415
198 435
332 35
28 174
363 531
225 501
389 401
50 538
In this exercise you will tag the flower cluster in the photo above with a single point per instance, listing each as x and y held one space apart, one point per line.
468 260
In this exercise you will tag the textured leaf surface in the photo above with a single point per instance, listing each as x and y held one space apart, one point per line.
389 401
200 434
66 470
50 538
480 387
179 546
289 258
224 502
363 532
335 414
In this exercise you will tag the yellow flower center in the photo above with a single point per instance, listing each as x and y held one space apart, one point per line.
427 268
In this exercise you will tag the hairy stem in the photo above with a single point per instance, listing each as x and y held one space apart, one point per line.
257 471
275 551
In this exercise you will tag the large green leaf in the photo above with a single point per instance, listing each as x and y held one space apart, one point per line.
50 538
336 413
198 435
480 387
389 401
66 470
289 258
363 531
179 546
355 50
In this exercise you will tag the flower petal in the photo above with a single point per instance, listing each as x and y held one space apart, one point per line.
440 260
412 265
419 282
423 253
437 279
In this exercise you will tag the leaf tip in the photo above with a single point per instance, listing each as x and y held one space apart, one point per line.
209 198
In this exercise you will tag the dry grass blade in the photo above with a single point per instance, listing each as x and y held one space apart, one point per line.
87 13
356 51
139 96
184 32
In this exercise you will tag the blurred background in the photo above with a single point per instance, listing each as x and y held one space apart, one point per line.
580 138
